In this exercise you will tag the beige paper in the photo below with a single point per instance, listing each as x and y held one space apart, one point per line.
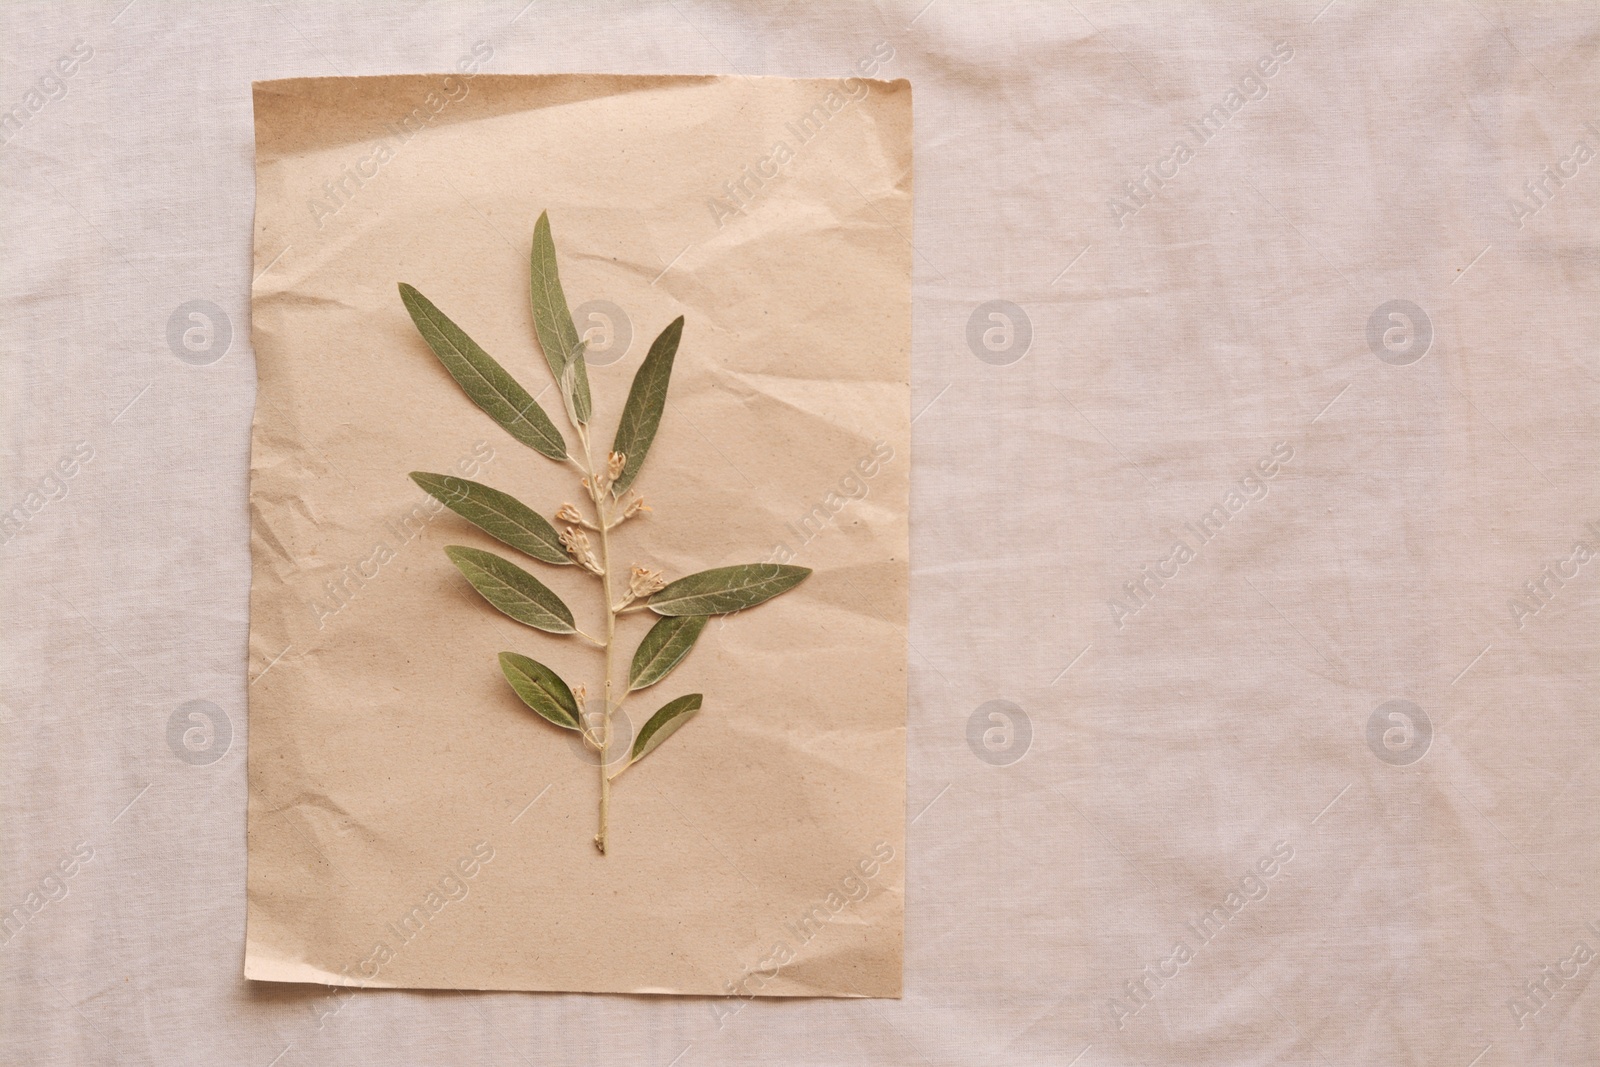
411 823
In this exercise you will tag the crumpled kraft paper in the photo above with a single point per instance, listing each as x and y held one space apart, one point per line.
411 823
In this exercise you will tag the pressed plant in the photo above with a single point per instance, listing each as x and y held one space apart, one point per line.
682 606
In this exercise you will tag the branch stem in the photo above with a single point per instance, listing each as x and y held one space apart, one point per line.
611 634
602 526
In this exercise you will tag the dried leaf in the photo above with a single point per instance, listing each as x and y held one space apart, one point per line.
663 648
513 590
641 415
663 724
482 379
575 386
541 689
552 321
725 589
497 514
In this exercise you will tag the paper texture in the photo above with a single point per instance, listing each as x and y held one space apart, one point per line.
411 823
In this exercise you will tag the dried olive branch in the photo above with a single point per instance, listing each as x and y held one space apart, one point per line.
599 484
611 639
603 525
683 606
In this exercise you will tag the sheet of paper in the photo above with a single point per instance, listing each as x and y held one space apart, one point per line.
411 823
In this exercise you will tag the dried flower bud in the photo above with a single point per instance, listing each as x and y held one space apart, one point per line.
643 581
584 481
615 461
576 542
635 506
568 513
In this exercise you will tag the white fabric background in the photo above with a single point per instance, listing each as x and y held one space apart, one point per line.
1167 356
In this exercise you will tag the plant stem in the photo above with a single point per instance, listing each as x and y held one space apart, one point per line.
611 633
602 526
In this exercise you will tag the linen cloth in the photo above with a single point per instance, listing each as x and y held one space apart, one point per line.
1316 788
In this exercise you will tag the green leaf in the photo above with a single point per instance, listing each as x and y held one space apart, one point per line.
575 386
580 397
484 381
552 321
541 689
663 648
663 724
725 589
512 590
497 514
642 413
